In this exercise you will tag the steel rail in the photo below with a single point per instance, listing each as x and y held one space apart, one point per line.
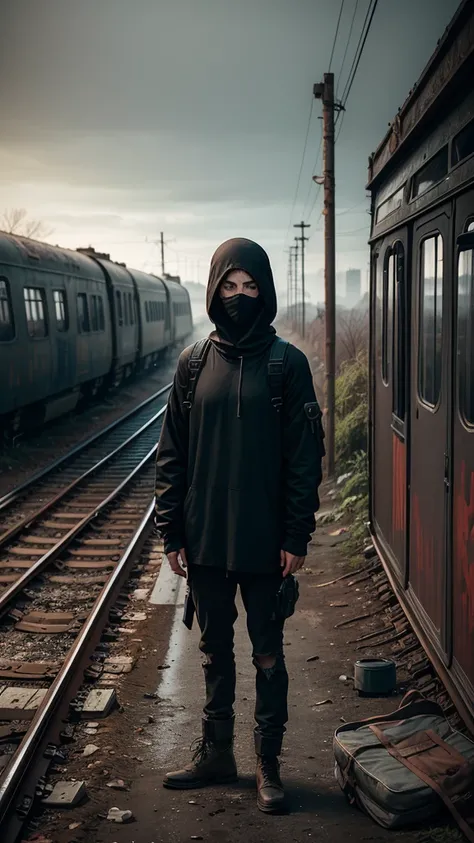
56 695
15 493
28 520
52 554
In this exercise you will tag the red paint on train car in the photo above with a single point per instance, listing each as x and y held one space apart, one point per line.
426 574
399 485
463 592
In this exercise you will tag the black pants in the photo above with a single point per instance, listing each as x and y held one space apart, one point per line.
214 591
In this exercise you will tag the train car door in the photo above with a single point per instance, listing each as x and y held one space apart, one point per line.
389 396
463 448
430 409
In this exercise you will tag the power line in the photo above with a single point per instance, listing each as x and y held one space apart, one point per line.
346 96
335 36
347 45
301 168
307 132
314 171
356 61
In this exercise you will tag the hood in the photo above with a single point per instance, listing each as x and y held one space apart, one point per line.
239 253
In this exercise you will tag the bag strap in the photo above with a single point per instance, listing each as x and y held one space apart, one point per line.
196 361
447 764
276 361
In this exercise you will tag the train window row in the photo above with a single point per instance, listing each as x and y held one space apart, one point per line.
432 172
126 313
180 308
155 311
391 322
90 312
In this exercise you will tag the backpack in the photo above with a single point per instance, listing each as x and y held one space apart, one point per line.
276 361
401 767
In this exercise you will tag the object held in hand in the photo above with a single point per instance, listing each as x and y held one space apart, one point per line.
287 596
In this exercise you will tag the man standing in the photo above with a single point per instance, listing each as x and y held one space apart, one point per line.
238 471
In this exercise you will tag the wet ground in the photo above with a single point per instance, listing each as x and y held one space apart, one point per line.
150 736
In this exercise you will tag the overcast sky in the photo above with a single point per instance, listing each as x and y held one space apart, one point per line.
121 119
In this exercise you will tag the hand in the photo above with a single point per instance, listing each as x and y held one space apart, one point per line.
290 564
176 567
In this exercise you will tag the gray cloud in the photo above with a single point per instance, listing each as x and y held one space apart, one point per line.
121 119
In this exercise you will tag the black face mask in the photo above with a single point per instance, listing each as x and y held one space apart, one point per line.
242 310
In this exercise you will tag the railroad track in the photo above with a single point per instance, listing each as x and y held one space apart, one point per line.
33 497
63 566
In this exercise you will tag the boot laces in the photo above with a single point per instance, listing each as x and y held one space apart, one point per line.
270 770
200 749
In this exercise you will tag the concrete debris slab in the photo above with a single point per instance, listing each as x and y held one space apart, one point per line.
134 617
99 702
140 594
66 794
90 749
20 703
117 816
118 664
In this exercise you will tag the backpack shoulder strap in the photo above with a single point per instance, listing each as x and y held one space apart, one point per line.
275 371
196 361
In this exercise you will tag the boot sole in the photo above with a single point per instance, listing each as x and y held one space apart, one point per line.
272 809
200 783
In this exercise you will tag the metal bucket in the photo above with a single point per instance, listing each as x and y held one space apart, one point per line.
375 676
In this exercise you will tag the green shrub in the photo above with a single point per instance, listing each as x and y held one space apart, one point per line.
351 410
351 445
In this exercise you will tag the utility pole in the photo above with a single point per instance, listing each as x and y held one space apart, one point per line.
302 239
289 282
295 280
162 239
325 92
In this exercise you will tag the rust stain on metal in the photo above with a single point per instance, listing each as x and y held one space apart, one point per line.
399 483
463 558
426 565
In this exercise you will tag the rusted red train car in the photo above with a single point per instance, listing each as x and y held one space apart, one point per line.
421 180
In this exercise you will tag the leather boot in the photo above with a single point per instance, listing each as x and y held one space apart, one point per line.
270 793
213 760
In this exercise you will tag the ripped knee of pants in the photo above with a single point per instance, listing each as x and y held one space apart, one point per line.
269 664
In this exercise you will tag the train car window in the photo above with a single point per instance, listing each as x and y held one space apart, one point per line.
430 319
399 337
118 299
35 308
100 303
130 306
83 321
94 314
60 310
465 332
7 326
387 294
463 144
431 173
390 205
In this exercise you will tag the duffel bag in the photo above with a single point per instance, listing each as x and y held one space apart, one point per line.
400 768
